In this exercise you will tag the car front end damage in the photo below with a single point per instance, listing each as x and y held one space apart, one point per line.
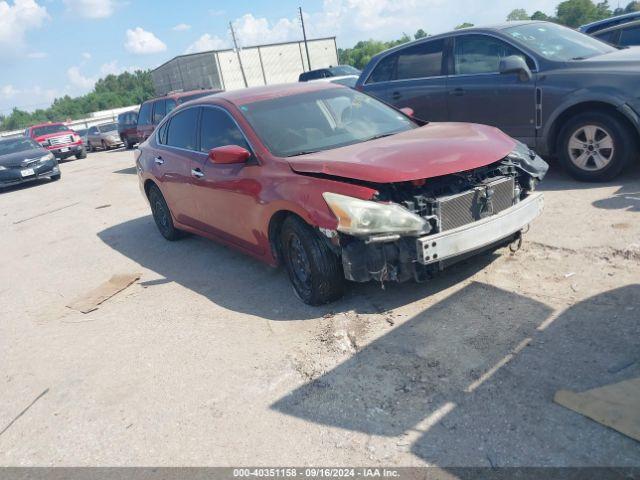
420 227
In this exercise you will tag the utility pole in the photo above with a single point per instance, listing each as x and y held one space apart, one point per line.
304 35
235 47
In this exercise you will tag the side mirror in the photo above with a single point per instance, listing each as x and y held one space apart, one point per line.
408 111
516 64
228 154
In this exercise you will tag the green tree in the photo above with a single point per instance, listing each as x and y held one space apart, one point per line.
360 54
632 7
574 13
517 14
420 34
538 15
464 25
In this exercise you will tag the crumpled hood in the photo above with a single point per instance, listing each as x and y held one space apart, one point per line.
16 159
430 151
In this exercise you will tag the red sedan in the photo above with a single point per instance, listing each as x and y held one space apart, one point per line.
336 185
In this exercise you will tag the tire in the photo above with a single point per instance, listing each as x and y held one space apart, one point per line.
82 154
104 145
581 151
92 148
162 215
128 144
314 270
56 177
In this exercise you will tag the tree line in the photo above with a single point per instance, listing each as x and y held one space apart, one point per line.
112 91
571 13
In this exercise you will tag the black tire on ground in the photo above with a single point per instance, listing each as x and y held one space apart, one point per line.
56 177
605 126
82 154
162 215
104 146
127 143
314 270
91 147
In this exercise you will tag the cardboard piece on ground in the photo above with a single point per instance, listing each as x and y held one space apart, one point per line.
90 301
617 405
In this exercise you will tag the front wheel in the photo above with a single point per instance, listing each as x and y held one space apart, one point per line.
162 215
55 177
82 154
595 146
314 270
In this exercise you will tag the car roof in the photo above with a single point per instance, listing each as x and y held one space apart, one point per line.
256 94
618 26
606 21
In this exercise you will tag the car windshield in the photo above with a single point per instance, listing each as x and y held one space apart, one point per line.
15 145
556 42
49 129
109 127
344 70
322 120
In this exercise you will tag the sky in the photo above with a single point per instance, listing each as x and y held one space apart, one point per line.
51 48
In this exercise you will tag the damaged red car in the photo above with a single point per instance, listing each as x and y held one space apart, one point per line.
335 185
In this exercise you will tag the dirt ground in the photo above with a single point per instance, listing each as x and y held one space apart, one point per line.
209 359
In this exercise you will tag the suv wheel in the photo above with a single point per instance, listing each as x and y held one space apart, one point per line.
595 146
314 270
162 215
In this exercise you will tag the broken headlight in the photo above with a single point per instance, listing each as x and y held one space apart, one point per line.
526 159
364 217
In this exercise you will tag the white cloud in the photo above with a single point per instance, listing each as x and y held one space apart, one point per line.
37 55
78 80
181 27
112 68
86 55
207 42
27 98
141 42
254 31
9 91
91 8
15 20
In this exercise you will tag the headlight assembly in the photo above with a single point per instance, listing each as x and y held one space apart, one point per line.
47 157
364 217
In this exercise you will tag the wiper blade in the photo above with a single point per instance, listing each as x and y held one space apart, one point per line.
304 152
381 135
579 58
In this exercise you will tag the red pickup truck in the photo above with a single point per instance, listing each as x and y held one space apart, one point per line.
58 139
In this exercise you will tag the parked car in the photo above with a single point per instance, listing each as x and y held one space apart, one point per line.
23 160
346 80
335 184
83 135
594 28
337 71
59 139
128 128
153 111
104 136
622 35
557 90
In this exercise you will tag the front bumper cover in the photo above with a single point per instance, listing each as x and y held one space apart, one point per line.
13 176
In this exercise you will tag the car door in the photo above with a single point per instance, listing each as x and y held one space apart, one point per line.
227 196
92 137
177 147
478 93
413 77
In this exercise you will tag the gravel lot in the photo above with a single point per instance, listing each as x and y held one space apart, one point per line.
210 360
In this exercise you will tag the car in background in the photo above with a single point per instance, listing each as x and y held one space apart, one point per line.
153 111
337 71
104 137
59 139
594 28
621 35
346 80
334 184
559 91
128 128
83 134
22 159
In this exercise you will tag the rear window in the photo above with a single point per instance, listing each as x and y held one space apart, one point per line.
159 111
109 127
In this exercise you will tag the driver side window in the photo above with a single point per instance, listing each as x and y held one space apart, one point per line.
218 129
476 54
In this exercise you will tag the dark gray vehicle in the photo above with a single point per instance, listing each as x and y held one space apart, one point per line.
622 35
561 92
22 159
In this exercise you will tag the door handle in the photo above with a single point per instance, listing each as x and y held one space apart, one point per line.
158 160
196 172
396 95
458 92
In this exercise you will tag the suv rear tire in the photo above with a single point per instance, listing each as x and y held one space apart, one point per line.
314 270
595 146
162 215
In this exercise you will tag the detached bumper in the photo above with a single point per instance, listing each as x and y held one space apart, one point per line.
421 258
473 236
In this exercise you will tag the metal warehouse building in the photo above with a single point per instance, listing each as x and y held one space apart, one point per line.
262 65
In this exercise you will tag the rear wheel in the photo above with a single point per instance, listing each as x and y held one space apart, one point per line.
104 145
162 215
314 270
595 146
82 154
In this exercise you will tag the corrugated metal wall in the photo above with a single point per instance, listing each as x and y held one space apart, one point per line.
263 65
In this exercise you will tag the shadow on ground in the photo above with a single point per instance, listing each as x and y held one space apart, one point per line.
240 283
416 383
127 171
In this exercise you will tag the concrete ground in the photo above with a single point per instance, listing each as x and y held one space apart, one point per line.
210 359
